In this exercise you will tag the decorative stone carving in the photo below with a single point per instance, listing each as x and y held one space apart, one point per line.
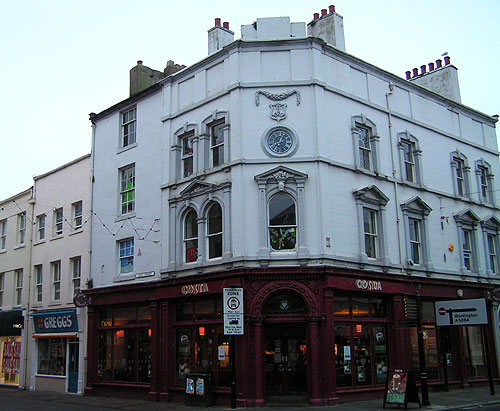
278 110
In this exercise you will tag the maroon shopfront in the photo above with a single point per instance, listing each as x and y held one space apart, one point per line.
315 335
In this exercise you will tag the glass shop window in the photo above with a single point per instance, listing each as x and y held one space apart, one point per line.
199 310
52 356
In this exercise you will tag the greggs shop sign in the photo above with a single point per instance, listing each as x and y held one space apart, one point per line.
55 322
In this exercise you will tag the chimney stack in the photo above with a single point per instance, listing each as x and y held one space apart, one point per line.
329 27
218 36
142 77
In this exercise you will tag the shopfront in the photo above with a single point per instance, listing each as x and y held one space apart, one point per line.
11 325
311 336
57 351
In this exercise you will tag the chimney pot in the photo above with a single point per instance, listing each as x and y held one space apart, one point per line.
415 72
139 62
323 12
315 16
217 22
439 63
331 9
423 69
225 25
408 75
447 60
431 66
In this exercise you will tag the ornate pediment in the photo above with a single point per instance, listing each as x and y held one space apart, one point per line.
371 195
491 222
196 187
416 205
466 216
280 174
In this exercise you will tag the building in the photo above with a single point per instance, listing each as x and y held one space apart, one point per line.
56 329
15 246
336 194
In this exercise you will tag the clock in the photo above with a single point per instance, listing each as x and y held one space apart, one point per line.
279 142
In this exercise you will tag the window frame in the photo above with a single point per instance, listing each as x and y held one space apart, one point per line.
205 143
130 255
127 124
188 213
21 229
77 214
372 235
3 235
187 157
217 146
56 280
359 122
40 227
406 139
212 236
18 287
76 271
58 222
291 227
460 174
485 182
467 223
38 283
126 176
2 287
490 227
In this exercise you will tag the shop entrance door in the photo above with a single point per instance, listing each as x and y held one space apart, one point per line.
285 351
73 367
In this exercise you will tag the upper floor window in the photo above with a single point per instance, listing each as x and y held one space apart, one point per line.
366 141
190 236
370 203
409 153
56 280
187 155
493 252
2 278
467 223
126 255
282 222
18 292
76 268
40 227
460 174
38 283
128 127
58 221
217 143
491 231
214 231
127 189
3 234
77 210
484 182
21 228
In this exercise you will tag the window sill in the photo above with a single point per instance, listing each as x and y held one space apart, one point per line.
126 148
80 230
54 303
125 217
57 237
50 376
17 247
39 242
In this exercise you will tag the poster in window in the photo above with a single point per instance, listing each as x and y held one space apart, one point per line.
361 373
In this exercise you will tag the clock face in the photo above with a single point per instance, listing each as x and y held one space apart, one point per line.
280 141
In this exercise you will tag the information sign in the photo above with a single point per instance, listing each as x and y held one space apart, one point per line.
233 311
461 312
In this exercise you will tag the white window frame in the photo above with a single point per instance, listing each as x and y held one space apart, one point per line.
40 227
127 176
77 212
18 287
56 280
406 139
370 235
3 235
2 283
58 221
187 239
491 231
21 228
460 174
281 227
374 199
362 122
187 155
177 150
129 248
213 236
76 270
485 181
467 224
129 127
38 283
206 143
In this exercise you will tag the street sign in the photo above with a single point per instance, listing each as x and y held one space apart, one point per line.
233 311
461 312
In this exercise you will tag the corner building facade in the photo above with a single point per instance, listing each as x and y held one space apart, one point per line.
335 193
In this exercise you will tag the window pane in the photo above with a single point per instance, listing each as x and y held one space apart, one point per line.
191 225
105 350
381 353
124 315
341 306
144 365
124 355
204 310
360 307
379 308
362 353
343 355
184 312
281 210
475 342
52 356
215 219
183 360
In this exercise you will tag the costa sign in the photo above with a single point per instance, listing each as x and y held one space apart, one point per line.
194 289
368 285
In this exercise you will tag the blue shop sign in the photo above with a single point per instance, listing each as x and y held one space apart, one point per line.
55 322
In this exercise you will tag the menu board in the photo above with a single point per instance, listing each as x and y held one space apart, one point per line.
401 389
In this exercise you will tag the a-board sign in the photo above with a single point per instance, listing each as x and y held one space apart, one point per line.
461 312
401 389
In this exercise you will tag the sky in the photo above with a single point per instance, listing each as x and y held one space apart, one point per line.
62 59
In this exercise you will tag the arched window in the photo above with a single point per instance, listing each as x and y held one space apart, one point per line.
190 237
282 222
214 231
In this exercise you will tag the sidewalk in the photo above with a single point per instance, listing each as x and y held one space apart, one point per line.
457 399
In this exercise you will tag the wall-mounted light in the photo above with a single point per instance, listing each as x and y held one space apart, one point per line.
201 331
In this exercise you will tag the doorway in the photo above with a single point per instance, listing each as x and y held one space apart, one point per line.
285 349
73 367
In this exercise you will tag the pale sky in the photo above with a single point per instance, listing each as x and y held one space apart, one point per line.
62 59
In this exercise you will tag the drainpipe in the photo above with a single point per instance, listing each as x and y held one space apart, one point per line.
394 172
